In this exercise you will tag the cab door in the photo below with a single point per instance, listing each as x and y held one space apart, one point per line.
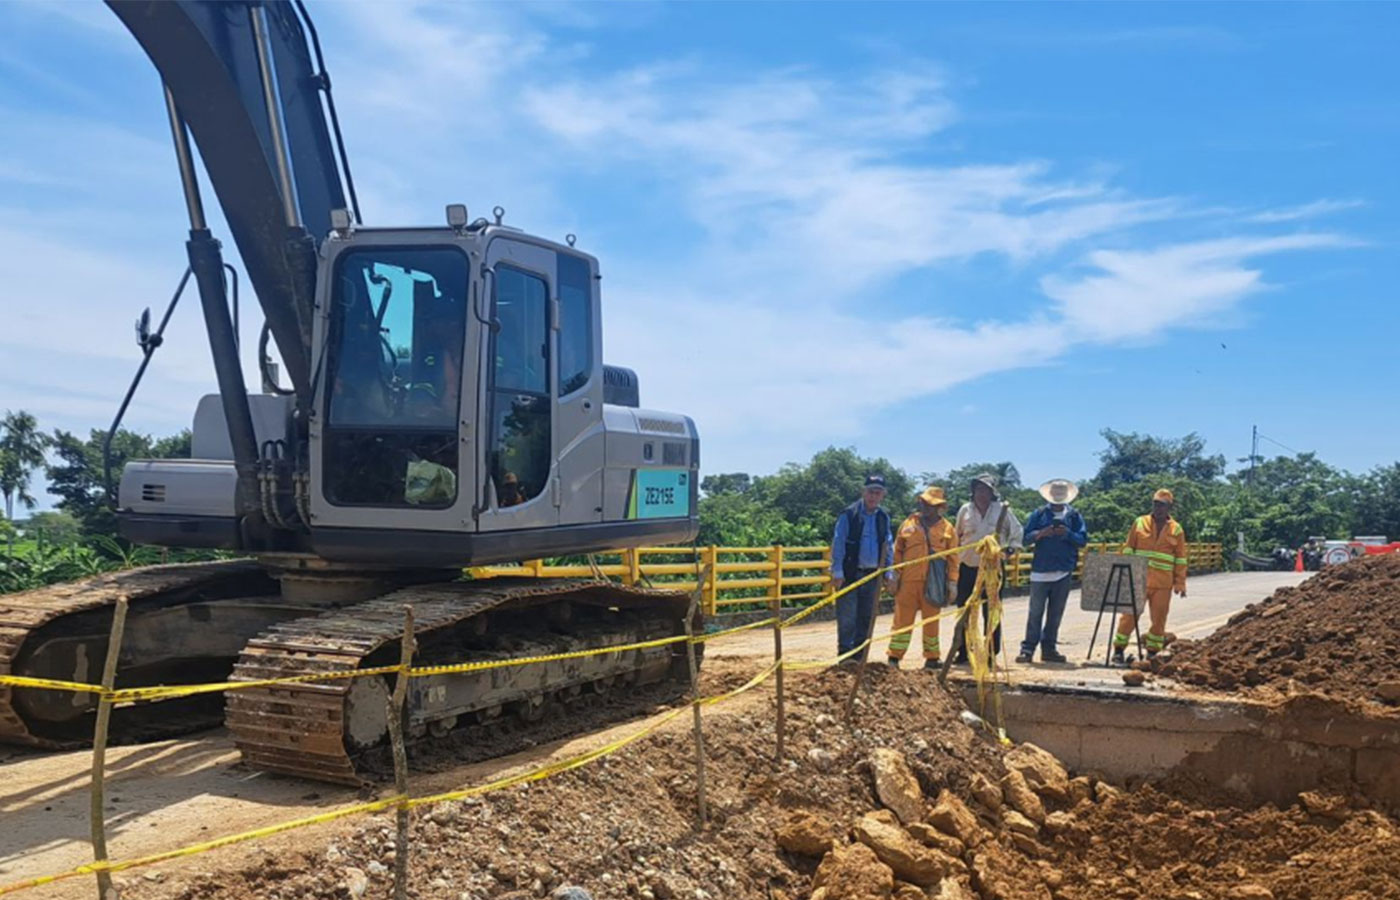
518 476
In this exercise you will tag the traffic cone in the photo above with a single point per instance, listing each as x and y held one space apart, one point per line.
1298 562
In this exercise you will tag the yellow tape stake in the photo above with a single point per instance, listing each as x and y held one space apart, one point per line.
390 802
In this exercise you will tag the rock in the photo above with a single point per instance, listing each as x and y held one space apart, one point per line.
1080 789
821 759
824 720
1025 843
1103 792
1250 892
927 834
905 891
1134 678
376 867
356 882
1043 772
570 892
986 793
1059 822
852 870
1016 823
951 816
896 785
953 889
1021 798
806 834
1389 691
906 857
1325 805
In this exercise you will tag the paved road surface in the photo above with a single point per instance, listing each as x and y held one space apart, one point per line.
1210 600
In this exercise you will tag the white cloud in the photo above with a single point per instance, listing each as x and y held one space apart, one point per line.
1305 211
1138 294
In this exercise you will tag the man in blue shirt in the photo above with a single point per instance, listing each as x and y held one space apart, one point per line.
1058 531
863 543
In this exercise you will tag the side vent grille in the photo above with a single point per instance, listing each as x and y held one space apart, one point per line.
646 423
673 454
153 493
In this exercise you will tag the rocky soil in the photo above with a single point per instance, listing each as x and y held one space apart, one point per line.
913 803
1338 633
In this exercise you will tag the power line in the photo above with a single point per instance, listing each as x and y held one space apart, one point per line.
1278 443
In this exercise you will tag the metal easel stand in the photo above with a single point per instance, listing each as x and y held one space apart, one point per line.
1112 601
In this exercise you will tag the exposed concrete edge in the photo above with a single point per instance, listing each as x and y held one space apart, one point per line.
1269 751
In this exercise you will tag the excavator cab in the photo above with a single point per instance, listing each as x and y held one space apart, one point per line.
448 401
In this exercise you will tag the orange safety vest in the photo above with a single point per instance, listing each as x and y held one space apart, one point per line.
912 542
1165 551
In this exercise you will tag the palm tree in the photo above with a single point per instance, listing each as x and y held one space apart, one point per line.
22 447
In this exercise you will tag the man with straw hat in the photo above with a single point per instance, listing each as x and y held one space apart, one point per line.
1162 540
923 587
1057 530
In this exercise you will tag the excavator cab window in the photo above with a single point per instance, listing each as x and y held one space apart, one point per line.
397 324
521 444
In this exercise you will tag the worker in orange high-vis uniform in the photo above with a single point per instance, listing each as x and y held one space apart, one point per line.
924 587
1162 540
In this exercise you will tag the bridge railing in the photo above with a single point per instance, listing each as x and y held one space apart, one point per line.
752 577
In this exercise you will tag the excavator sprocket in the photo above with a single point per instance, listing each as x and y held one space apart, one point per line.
321 730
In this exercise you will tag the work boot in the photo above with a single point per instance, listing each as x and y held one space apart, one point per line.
1118 656
893 662
933 664
1052 656
1023 657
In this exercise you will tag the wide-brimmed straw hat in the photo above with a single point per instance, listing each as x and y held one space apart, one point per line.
1059 490
934 497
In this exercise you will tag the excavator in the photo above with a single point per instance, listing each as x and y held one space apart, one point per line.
447 406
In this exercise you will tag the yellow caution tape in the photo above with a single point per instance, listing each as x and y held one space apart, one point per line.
395 801
168 692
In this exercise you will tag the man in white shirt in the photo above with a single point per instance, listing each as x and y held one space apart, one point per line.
984 515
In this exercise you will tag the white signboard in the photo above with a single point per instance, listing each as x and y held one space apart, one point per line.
1102 581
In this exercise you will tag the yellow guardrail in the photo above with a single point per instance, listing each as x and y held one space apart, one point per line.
758 575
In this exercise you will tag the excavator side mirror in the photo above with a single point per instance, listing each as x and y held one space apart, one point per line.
143 328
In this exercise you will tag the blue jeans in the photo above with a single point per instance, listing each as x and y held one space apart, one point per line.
853 612
1048 605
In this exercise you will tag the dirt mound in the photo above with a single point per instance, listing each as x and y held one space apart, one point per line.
1338 633
912 804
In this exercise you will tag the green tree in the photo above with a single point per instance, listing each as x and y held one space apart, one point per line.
1378 502
1286 500
22 447
812 496
53 526
726 483
1132 457
76 476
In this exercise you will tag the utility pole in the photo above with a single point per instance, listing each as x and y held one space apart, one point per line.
1253 453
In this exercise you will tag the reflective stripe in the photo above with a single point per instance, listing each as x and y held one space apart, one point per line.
1155 641
1160 566
900 641
1120 639
1182 562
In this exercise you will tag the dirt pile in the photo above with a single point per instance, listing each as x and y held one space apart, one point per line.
911 805
1338 633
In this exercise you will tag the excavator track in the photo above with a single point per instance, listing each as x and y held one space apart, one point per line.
320 730
30 620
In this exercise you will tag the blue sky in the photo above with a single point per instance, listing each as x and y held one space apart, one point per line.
936 232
